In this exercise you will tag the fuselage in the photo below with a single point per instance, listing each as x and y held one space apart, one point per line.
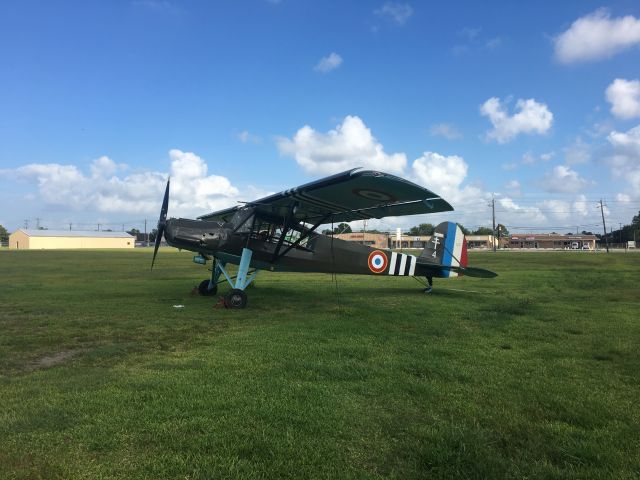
318 253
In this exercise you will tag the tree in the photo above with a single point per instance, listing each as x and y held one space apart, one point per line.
134 232
483 231
636 220
464 230
341 228
502 230
422 229
4 235
152 235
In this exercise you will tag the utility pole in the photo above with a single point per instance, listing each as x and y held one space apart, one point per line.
70 224
604 226
620 232
364 231
38 223
493 214
146 239
26 224
98 227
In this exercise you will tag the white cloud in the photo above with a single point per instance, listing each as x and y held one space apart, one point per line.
246 137
578 152
510 213
397 12
545 157
444 175
493 43
349 145
625 157
560 209
528 159
531 117
509 166
597 36
446 130
561 179
581 206
624 96
328 63
193 191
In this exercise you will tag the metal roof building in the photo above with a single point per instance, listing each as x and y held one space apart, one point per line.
28 239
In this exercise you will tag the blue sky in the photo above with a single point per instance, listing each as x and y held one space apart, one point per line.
533 103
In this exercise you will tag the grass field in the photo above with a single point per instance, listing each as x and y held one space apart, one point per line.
534 374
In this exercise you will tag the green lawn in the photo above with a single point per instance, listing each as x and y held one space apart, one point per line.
534 374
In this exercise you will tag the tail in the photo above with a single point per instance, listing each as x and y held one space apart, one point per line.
448 250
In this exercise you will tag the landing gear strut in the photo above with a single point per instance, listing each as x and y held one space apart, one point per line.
236 297
430 287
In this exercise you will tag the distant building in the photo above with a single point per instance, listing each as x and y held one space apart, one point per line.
386 240
24 239
375 240
552 241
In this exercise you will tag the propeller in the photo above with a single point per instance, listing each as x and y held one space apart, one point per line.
162 221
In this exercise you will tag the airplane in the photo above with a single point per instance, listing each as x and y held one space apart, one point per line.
278 233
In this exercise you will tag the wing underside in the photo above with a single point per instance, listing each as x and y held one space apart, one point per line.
351 195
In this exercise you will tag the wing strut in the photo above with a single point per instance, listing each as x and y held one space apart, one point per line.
302 237
285 230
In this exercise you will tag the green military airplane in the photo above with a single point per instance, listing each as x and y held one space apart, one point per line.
278 233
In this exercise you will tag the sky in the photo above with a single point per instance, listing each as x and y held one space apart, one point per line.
533 104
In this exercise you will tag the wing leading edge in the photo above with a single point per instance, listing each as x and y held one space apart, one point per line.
347 196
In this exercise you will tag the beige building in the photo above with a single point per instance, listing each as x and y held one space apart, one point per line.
552 241
473 241
374 240
24 239
385 240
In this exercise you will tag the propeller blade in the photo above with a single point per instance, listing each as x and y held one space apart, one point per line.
161 222
157 245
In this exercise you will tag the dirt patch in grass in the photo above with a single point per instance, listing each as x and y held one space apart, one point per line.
53 359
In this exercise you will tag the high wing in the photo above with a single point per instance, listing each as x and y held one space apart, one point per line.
344 197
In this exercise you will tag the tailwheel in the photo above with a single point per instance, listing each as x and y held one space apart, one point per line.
235 298
429 286
204 289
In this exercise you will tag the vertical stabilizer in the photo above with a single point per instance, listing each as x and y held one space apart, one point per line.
447 247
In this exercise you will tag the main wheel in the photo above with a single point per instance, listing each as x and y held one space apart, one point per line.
203 288
235 299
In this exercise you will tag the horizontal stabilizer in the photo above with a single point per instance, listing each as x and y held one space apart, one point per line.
474 272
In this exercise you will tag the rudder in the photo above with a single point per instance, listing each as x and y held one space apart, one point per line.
447 247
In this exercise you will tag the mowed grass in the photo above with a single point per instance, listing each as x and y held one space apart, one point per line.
534 374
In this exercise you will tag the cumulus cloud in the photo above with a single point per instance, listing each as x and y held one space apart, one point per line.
625 157
530 117
193 190
397 12
561 179
597 36
328 63
624 97
446 130
511 213
351 144
444 175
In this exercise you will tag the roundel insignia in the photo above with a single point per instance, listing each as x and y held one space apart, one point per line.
374 195
377 261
